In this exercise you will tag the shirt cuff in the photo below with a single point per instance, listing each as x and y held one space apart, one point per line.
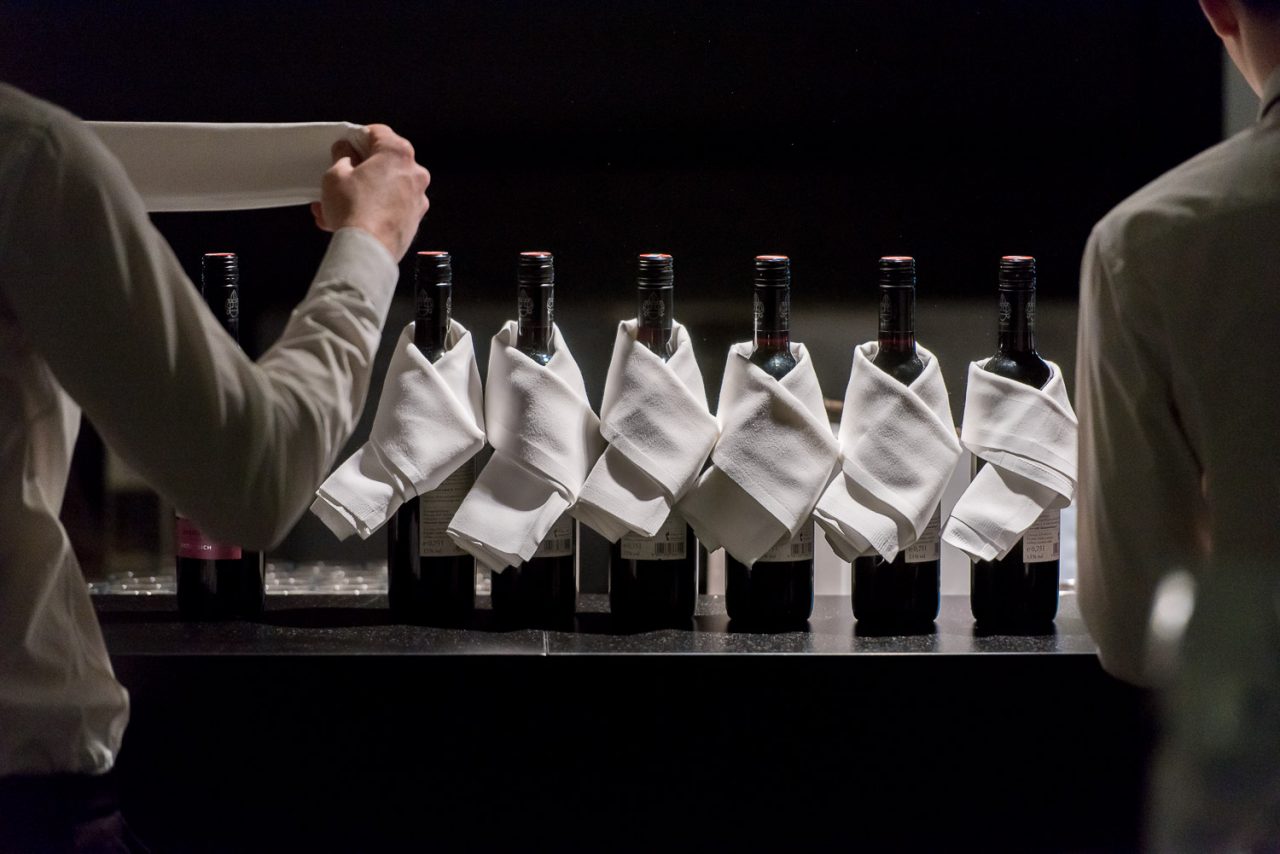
358 258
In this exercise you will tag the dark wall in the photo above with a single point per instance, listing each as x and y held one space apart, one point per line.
955 130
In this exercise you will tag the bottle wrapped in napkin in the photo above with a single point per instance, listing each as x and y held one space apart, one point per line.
196 166
545 439
898 448
1028 438
774 458
654 417
430 420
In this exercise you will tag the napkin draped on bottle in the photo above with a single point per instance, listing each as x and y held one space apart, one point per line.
775 456
545 439
430 421
654 417
1028 438
898 449
197 166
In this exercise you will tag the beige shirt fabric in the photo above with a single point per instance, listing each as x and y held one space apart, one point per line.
97 315
1177 389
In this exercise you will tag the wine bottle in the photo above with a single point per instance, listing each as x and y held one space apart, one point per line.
1019 590
653 581
430 579
544 589
903 592
215 580
778 588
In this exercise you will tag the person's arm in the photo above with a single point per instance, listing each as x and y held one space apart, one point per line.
1140 502
238 447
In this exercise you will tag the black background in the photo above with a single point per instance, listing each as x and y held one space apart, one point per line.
831 131
835 132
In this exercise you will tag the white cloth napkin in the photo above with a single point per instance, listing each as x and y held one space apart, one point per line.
775 456
1028 437
193 166
545 439
898 448
655 419
430 421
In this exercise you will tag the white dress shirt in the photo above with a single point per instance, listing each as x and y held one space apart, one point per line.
97 315
1177 388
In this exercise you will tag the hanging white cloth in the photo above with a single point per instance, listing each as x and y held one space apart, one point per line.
545 439
1028 438
199 166
655 419
775 456
898 449
430 421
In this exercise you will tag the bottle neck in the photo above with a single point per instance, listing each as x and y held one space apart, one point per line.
432 316
897 335
231 312
1017 325
535 318
773 318
655 310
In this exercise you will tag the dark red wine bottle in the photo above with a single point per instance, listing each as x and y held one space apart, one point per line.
543 591
778 589
429 579
653 581
215 580
903 592
1020 590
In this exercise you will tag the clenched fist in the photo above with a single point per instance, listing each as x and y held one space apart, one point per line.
384 193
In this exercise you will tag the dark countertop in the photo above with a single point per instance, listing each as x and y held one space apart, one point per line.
328 727
361 625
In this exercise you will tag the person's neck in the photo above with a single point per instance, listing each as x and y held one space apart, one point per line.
1259 48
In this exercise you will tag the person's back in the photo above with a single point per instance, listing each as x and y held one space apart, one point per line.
1179 550
1181 292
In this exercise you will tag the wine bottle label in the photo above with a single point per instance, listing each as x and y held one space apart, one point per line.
559 540
436 509
928 547
799 547
1041 543
670 543
193 544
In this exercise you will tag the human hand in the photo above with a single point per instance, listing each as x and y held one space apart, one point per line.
384 193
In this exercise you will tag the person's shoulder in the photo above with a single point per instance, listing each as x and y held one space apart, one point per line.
1237 175
38 130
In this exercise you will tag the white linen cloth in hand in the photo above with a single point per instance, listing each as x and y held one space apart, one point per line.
196 166
430 421
1028 438
898 449
775 456
654 417
545 439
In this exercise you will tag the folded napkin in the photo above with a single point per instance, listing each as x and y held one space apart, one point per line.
655 419
191 166
1028 437
898 448
545 439
430 421
774 458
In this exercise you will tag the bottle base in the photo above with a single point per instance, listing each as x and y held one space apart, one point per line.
894 594
1014 597
653 594
542 593
769 595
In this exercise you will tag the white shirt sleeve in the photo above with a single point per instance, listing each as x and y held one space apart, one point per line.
238 447
1140 501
